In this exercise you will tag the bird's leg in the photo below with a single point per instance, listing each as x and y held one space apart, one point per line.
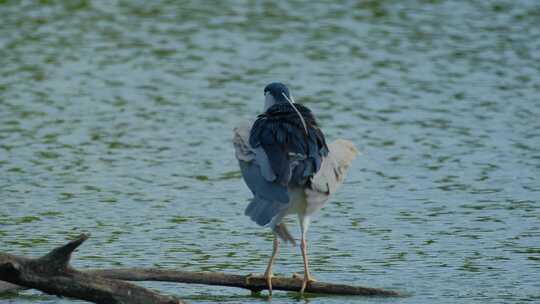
268 273
304 223
307 276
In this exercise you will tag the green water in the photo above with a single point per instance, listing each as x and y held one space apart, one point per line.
116 119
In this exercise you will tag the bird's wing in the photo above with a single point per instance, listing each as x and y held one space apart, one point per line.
270 197
295 152
332 173
244 152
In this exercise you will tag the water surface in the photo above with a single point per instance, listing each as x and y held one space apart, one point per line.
116 119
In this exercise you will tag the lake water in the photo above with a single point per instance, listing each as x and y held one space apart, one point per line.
116 119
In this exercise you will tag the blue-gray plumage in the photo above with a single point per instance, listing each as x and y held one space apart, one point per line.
293 155
270 198
289 168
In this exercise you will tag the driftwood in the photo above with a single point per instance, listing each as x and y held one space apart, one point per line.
52 274
231 280
42 274
253 283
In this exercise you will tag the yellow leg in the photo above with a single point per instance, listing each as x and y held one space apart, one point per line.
307 275
304 223
268 273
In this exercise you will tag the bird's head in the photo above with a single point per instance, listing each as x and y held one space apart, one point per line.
274 93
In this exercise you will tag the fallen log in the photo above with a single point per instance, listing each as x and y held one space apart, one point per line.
52 274
253 283
34 269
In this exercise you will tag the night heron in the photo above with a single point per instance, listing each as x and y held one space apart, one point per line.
288 166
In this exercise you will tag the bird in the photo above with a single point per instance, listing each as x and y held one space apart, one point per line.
286 163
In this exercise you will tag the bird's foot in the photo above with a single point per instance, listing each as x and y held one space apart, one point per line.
307 280
295 275
267 277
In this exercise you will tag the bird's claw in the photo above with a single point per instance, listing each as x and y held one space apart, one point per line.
267 277
299 277
305 281
304 285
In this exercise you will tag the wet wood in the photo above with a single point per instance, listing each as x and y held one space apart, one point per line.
253 283
52 274
6 287
232 280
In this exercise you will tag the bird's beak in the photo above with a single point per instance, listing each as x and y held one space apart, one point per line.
297 112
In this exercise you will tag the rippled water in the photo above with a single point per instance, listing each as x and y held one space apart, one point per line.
116 119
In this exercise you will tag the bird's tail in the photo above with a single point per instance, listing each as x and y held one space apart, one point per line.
283 233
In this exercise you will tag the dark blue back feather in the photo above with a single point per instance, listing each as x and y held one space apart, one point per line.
294 155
